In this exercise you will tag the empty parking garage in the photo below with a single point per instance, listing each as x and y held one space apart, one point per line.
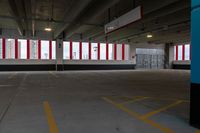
99 66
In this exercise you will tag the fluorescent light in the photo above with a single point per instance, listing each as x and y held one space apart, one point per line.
149 36
48 29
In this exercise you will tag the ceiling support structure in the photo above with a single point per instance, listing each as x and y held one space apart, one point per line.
72 14
15 13
162 11
33 10
97 8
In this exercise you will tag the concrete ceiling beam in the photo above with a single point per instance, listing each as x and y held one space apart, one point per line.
14 12
72 14
94 11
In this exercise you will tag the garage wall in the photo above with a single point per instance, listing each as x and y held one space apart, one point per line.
181 65
177 60
133 47
43 65
66 64
150 58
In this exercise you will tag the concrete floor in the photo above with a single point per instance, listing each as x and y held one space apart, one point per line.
95 102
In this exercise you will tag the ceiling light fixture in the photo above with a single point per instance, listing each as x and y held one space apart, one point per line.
149 36
48 29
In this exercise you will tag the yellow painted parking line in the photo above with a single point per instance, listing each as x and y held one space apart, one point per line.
172 99
156 98
137 116
161 109
53 74
118 97
120 106
135 100
51 121
123 98
126 98
12 76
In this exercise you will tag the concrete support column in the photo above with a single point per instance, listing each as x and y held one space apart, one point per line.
195 65
132 53
169 56
59 55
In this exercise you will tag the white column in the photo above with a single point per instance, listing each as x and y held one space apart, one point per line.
132 53
59 53
171 55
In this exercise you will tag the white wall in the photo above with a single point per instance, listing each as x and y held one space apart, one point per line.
81 62
171 56
60 60
25 62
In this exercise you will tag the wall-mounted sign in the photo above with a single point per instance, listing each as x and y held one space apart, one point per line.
128 18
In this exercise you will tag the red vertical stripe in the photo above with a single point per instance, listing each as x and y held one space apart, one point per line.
28 49
4 48
107 51
115 51
99 51
176 52
90 51
50 49
39 49
183 52
80 49
70 48
16 49
123 51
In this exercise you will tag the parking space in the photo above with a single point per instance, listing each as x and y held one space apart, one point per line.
95 101
154 111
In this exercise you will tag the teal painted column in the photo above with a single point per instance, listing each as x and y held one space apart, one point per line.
195 65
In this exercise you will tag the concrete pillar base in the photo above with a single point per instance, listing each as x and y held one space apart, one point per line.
195 105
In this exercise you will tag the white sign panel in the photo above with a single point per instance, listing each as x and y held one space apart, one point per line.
124 20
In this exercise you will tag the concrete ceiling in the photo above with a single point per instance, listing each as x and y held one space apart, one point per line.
167 20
